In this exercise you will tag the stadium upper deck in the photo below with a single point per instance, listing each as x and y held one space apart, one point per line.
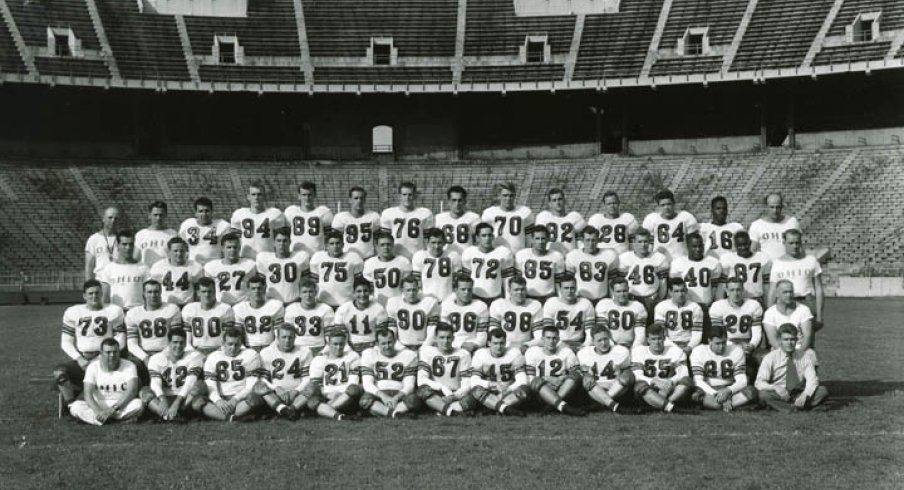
443 45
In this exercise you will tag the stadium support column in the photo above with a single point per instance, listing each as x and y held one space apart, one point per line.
789 124
624 135
764 123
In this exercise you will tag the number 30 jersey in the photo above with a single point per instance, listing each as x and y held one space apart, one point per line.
335 374
283 274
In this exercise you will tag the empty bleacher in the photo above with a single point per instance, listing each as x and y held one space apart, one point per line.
34 17
780 34
251 74
892 14
268 30
722 17
514 73
851 53
71 67
492 29
10 61
146 46
400 75
687 65
345 27
615 45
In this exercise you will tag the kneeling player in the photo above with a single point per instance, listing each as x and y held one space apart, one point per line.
553 372
335 378
285 370
498 378
607 369
443 371
720 373
389 377
231 374
660 371
174 377
111 389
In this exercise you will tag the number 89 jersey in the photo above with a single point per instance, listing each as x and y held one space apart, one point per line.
229 374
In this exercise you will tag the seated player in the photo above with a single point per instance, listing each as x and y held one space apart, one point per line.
539 266
174 373
660 371
177 274
412 315
436 266
206 318
517 315
625 318
592 265
646 271
258 316
232 272
84 327
742 318
787 309
286 373
310 317
553 372
231 374
386 269
443 376
489 265
111 389
468 317
335 271
389 377
720 374
682 318
147 326
607 369
335 386
362 317
787 378
283 268
498 377
571 314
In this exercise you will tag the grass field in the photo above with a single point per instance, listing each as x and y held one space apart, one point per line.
857 442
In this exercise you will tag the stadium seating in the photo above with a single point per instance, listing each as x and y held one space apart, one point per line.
382 74
615 45
722 17
251 74
780 34
687 65
515 73
345 27
34 17
492 29
892 14
10 61
268 30
852 53
72 67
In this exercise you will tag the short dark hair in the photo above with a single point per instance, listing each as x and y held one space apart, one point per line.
676 281
434 232
284 231
718 331
553 192
333 234
592 230
519 280
91 283
496 333
207 282
665 194
357 188
110 341
308 186
257 279
787 328
656 329
460 278
481 226
176 240
230 237
203 201
718 199
176 332
458 190
158 204
610 194
124 234
360 281
551 328
407 185
151 282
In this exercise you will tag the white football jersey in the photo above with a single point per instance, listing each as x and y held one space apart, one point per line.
308 227
386 276
539 271
125 281
518 321
436 272
670 235
257 229
604 367
203 240
754 271
643 273
207 326
287 370
146 330
488 269
309 323
110 384
102 247
228 375
621 320
230 279
591 271
739 321
335 375
90 327
701 277
551 367
358 232
336 276
679 321
801 272
407 227
259 322
449 370
174 374
510 226
670 364
572 319
389 373
719 240
467 320
150 245
768 235
718 370
412 320
459 232
563 230
283 274
614 232
361 324
178 281
499 373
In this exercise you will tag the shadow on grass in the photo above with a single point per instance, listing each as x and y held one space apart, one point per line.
845 393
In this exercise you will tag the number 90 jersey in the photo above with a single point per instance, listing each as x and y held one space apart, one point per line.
670 364
334 375
229 375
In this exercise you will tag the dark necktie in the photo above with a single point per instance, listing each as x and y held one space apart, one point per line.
792 379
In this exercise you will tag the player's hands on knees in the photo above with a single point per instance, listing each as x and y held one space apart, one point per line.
449 399
225 407
723 395
800 401
105 414
782 393
171 412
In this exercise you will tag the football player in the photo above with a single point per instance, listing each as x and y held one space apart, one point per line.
336 271
310 317
259 316
592 266
335 386
681 317
100 248
517 315
111 389
719 371
509 221
407 222
308 221
435 267
668 227
203 232
767 233
389 378
362 317
147 327
174 373
787 309
490 266
257 222
386 270
467 317
646 271
741 317
607 369
412 315
444 372
563 226
151 242
206 318
539 266
232 375
358 225
804 272
625 318
614 226
498 376
571 314
122 278
752 269
286 373
718 233
458 225
701 273
177 274
232 272
660 371
283 268
553 372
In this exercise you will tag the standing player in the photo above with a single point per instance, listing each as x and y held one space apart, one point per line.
335 385
458 225
564 226
308 221
625 318
151 242
436 267
258 316
84 327
606 368
646 271
111 389
177 274
660 371
122 278
148 326
570 314
257 222
407 222
232 272
752 269
362 317
386 270
490 266
700 273
668 227
509 221
310 317
741 317
467 317
539 266
592 265
412 315
518 316
498 376
720 374
203 232
286 371
553 372
681 318
207 318
389 378
767 233
174 374
443 376
283 268
614 226
231 374
358 225
788 310
101 246
803 271
336 271
718 233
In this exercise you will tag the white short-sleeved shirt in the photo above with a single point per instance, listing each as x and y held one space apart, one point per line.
309 323
775 318
518 321
361 324
335 375
207 326
466 320
614 231
287 370
125 282
231 374
150 245
572 319
669 364
621 320
91 327
801 273
551 367
149 328
412 320
308 227
768 235
110 384
173 374
604 367
259 322
737 320
679 321
717 370
103 248
510 226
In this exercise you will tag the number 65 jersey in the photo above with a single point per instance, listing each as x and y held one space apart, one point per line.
228 375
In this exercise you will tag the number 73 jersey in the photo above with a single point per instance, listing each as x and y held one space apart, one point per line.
90 327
